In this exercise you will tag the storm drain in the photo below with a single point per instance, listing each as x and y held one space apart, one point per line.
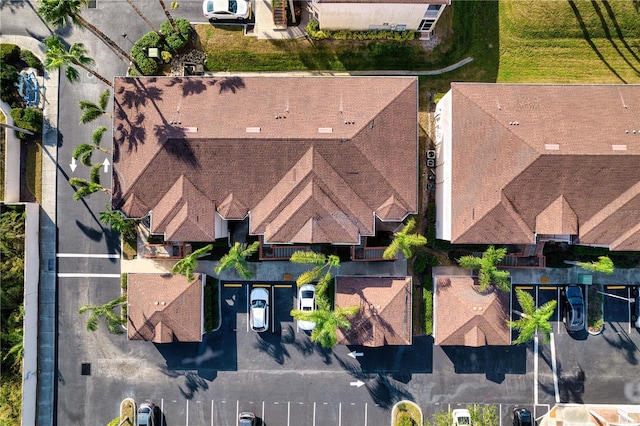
86 369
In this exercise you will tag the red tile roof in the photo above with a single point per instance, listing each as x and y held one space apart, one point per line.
310 161
530 159
385 310
466 317
164 308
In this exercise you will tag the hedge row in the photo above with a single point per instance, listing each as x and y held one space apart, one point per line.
170 41
314 31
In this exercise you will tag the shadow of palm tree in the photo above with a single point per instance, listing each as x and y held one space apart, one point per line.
623 343
230 84
587 38
612 16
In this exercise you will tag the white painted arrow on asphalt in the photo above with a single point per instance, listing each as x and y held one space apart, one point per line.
356 384
106 164
73 164
355 354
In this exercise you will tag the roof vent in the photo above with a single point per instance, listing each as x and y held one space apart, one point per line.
190 129
278 116
325 129
619 147
514 123
349 122
551 146
253 129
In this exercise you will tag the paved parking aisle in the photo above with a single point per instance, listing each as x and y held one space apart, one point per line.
617 307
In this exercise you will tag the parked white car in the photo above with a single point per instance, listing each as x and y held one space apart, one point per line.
226 9
307 303
461 417
259 309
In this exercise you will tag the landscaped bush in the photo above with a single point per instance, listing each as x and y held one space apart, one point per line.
31 60
9 53
422 260
8 77
314 31
29 119
146 65
177 41
404 419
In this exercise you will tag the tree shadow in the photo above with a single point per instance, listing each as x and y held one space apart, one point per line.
623 343
194 381
92 233
590 42
178 148
271 344
612 16
570 385
607 33
230 84
190 86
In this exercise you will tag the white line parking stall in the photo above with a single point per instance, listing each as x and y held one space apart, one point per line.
277 413
353 414
327 414
174 411
224 412
199 412
301 413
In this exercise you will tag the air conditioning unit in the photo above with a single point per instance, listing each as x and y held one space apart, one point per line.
431 162
431 186
431 153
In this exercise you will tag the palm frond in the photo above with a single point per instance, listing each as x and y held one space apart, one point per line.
104 100
97 135
526 301
391 250
243 270
83 153
306 278
72 74
308 257
469 262
94 174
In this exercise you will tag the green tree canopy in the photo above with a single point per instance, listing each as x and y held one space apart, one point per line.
237 258
488 272
405 242
113 321
58 57
532 319
327 322
84 151
604 264
189 264
92 110
321 271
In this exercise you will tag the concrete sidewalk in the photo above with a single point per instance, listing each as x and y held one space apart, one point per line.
46 336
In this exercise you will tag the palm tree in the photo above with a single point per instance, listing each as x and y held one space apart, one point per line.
532 319
327 322
83 151
92 110
404 242
169 17
189 264
321 272
85 187
603 264
114 321
237 257
144 18
489 273
118 222
59 13
58 57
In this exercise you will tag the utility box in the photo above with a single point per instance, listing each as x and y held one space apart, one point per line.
586 279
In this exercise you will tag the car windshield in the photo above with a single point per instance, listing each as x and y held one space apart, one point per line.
258 303
464 421
209 6
307 294
525 419
233 6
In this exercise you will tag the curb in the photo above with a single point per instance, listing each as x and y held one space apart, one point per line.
130 401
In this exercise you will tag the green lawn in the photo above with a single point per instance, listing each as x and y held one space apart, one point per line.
510 40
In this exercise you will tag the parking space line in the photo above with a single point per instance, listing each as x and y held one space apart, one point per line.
232 285
282 285
525 287
366 406
629 306
247 309
340 415
314 413
238 411
288 413
559 310
554 368
87 255
85 275
273 311
262 417
162 410
261 285
616 287
546 287
535 369
187 419
212 412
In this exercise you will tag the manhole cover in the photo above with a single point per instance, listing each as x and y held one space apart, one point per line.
86 369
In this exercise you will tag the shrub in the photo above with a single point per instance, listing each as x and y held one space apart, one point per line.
146 65
9 53
175 41
314 32
8 92
404 419
31 60
29 119
166 56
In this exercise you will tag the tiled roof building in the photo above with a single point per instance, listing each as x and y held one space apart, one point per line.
309 159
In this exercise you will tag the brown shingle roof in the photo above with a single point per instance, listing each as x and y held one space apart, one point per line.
385 310
530 159
466 317
249 148
164 308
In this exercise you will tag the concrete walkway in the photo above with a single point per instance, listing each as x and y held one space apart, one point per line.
265 29
11 159
46 337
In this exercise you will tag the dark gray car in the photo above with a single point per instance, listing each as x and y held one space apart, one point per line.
246 419
574 309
